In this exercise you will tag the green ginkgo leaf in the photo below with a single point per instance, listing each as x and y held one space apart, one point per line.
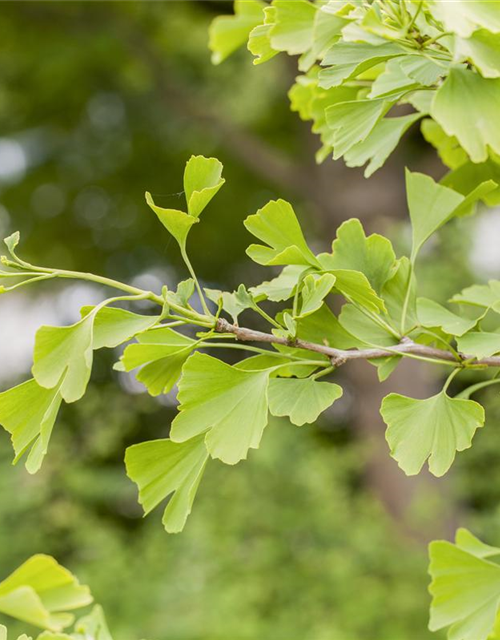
373 256
233 303
63 355
259 41
162 467
480 344
93 626
463 17
229 404
393 82
347 60
302 400
28 412
448 147
161 353
42 592
432 314
354 285
175 222
113 326
468 542
280 288
314 291
430 204
293 26
276 224
483 50
202 180
380 143
364 329
465 591
352 122
480 295
229 33
433 429
464 98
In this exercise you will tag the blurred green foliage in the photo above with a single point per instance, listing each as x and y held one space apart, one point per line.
99 102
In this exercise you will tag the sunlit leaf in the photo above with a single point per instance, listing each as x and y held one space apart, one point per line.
373 255
229 404
202 180
229 33
113 326
301 400
162 467
161 353
433 429
293 26
465 98
276 224
465 592
42 592
28 412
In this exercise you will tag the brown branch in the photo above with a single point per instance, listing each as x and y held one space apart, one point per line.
339 357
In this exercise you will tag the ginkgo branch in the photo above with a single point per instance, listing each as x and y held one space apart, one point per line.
338 357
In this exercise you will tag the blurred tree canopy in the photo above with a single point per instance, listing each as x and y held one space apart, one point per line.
99 102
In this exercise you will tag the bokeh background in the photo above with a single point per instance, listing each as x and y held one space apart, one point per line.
318 536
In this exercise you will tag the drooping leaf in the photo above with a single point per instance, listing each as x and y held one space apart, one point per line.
432 314
202 180
162 467
373 256
480 344
42 592
259 41
229 33
229 404
464 98
113 326
380 143
63 356
302 400
28 412
433 429
465 592
161 353
352 122
276 224
293 26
